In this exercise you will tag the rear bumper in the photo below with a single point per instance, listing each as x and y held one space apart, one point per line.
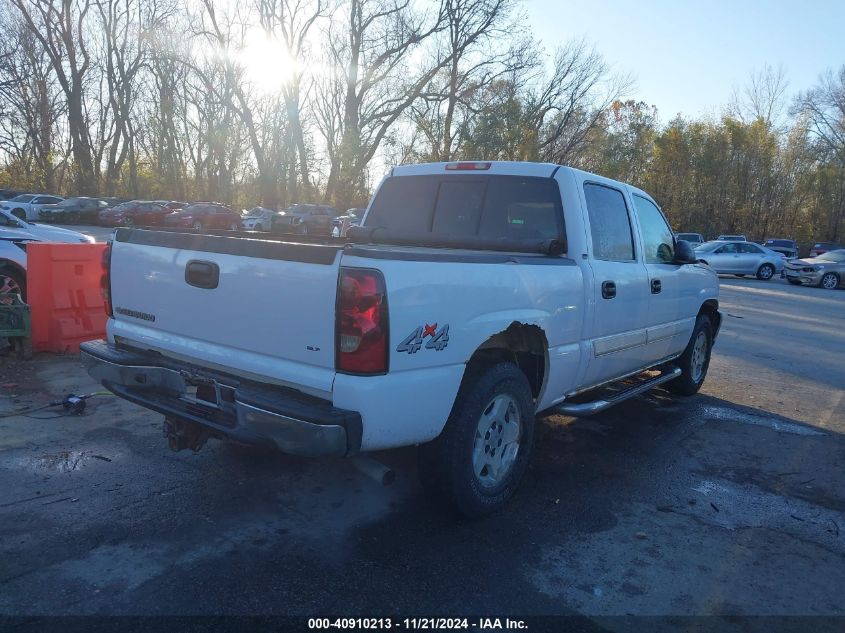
245 412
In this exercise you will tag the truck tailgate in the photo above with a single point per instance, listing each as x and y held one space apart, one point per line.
258 308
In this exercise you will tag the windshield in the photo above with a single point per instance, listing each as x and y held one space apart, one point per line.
833 256
25 197
786 243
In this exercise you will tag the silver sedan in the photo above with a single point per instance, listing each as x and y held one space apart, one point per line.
740 258
826 271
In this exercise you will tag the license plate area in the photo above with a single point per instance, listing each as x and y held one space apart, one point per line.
208 393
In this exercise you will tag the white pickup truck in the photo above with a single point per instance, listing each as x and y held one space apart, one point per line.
473 297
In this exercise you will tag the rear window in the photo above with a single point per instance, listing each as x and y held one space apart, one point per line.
490 207
781 243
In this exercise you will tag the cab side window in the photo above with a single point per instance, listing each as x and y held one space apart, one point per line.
750 248
658 244
727 249
610 224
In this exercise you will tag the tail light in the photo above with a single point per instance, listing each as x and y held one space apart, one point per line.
105 279
361 331
468 166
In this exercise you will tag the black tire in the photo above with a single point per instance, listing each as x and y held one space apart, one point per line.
794 282
302 229
198 226
258 227
765 272
12 281
829 281
234 227
688 383
446 463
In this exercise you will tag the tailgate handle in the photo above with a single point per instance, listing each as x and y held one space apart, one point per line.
202 274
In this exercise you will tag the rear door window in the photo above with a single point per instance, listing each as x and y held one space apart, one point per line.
610 225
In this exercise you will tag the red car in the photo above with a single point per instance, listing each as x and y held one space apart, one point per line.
135 213
205 215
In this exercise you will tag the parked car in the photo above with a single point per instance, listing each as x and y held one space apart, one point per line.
826 270
731 238
820 248
259 219
547 282
14 236
205 215
73 210
12 227
27 206
134 213
305 219
740 258
342 223
693 238
789 248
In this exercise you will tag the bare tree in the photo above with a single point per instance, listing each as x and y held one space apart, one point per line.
371 56
59 26
763 97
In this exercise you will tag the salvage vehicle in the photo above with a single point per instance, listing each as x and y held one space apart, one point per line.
74 210
304 219
258 219
27 206
788 248
740 259
204 215
15 234
826 271
342 223
474 296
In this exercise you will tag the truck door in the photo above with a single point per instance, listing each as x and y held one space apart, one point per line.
672 311
620 293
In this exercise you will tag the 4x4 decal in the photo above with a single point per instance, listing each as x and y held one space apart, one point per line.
439 339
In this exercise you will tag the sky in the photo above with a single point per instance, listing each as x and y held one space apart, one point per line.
686 57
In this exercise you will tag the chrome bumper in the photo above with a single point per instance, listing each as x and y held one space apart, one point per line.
250 413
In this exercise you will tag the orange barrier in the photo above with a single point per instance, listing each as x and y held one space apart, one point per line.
63 292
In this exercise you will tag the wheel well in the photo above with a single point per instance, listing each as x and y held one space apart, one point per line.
12 266
523 345
710 308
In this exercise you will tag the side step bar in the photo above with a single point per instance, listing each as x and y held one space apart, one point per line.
597 406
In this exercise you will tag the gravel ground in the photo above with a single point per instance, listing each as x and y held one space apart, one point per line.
728 503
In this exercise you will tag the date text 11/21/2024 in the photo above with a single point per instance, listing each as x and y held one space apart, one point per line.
431 624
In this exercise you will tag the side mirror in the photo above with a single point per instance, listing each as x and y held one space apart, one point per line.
684 253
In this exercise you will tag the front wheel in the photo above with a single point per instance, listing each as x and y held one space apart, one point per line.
695 360
829 281
258 227
302 229
13 283
765 272
198 226
477 462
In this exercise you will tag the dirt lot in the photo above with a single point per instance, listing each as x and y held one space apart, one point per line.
728 503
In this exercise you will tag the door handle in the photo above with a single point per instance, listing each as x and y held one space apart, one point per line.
608 289
656 286
202 274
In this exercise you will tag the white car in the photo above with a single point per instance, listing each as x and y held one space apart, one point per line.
14 236
13 228
27 206
474 296
258 219
12 267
